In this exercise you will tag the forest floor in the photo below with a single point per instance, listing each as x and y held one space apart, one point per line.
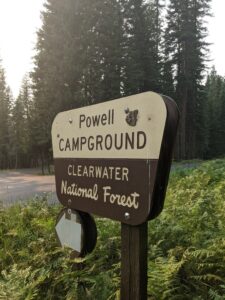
23 184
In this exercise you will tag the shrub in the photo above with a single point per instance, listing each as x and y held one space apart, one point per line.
186 247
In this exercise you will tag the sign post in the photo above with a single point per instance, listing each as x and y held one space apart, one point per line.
113 159
134 254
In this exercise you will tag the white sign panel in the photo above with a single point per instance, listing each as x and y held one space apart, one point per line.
70 232
130 127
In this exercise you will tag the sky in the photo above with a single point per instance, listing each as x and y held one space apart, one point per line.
20 20
216 27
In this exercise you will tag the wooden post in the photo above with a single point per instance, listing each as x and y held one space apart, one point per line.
134 262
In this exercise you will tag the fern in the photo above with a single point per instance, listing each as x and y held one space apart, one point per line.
186 247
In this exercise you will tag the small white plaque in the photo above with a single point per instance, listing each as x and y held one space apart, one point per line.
70 231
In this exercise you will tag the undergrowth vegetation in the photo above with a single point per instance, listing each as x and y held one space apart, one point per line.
186 258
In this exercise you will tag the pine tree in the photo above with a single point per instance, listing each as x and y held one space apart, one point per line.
58 71
186 48
21 120
91 51
79 61
142 43
214 115
103 43
5 107
155 27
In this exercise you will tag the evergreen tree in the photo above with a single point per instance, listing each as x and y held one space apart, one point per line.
103 43
142 42
92 50
5 107
186 52
155 27
79 61
21 120
57 79
214 115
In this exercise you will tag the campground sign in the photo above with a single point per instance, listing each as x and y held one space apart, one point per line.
113 159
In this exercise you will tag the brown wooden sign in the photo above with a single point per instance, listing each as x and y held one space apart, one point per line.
113 159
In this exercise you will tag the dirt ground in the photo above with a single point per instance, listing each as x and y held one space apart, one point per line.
20 185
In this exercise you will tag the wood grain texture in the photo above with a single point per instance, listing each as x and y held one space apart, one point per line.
134 262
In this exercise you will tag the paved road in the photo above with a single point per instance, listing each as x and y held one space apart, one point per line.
20 185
